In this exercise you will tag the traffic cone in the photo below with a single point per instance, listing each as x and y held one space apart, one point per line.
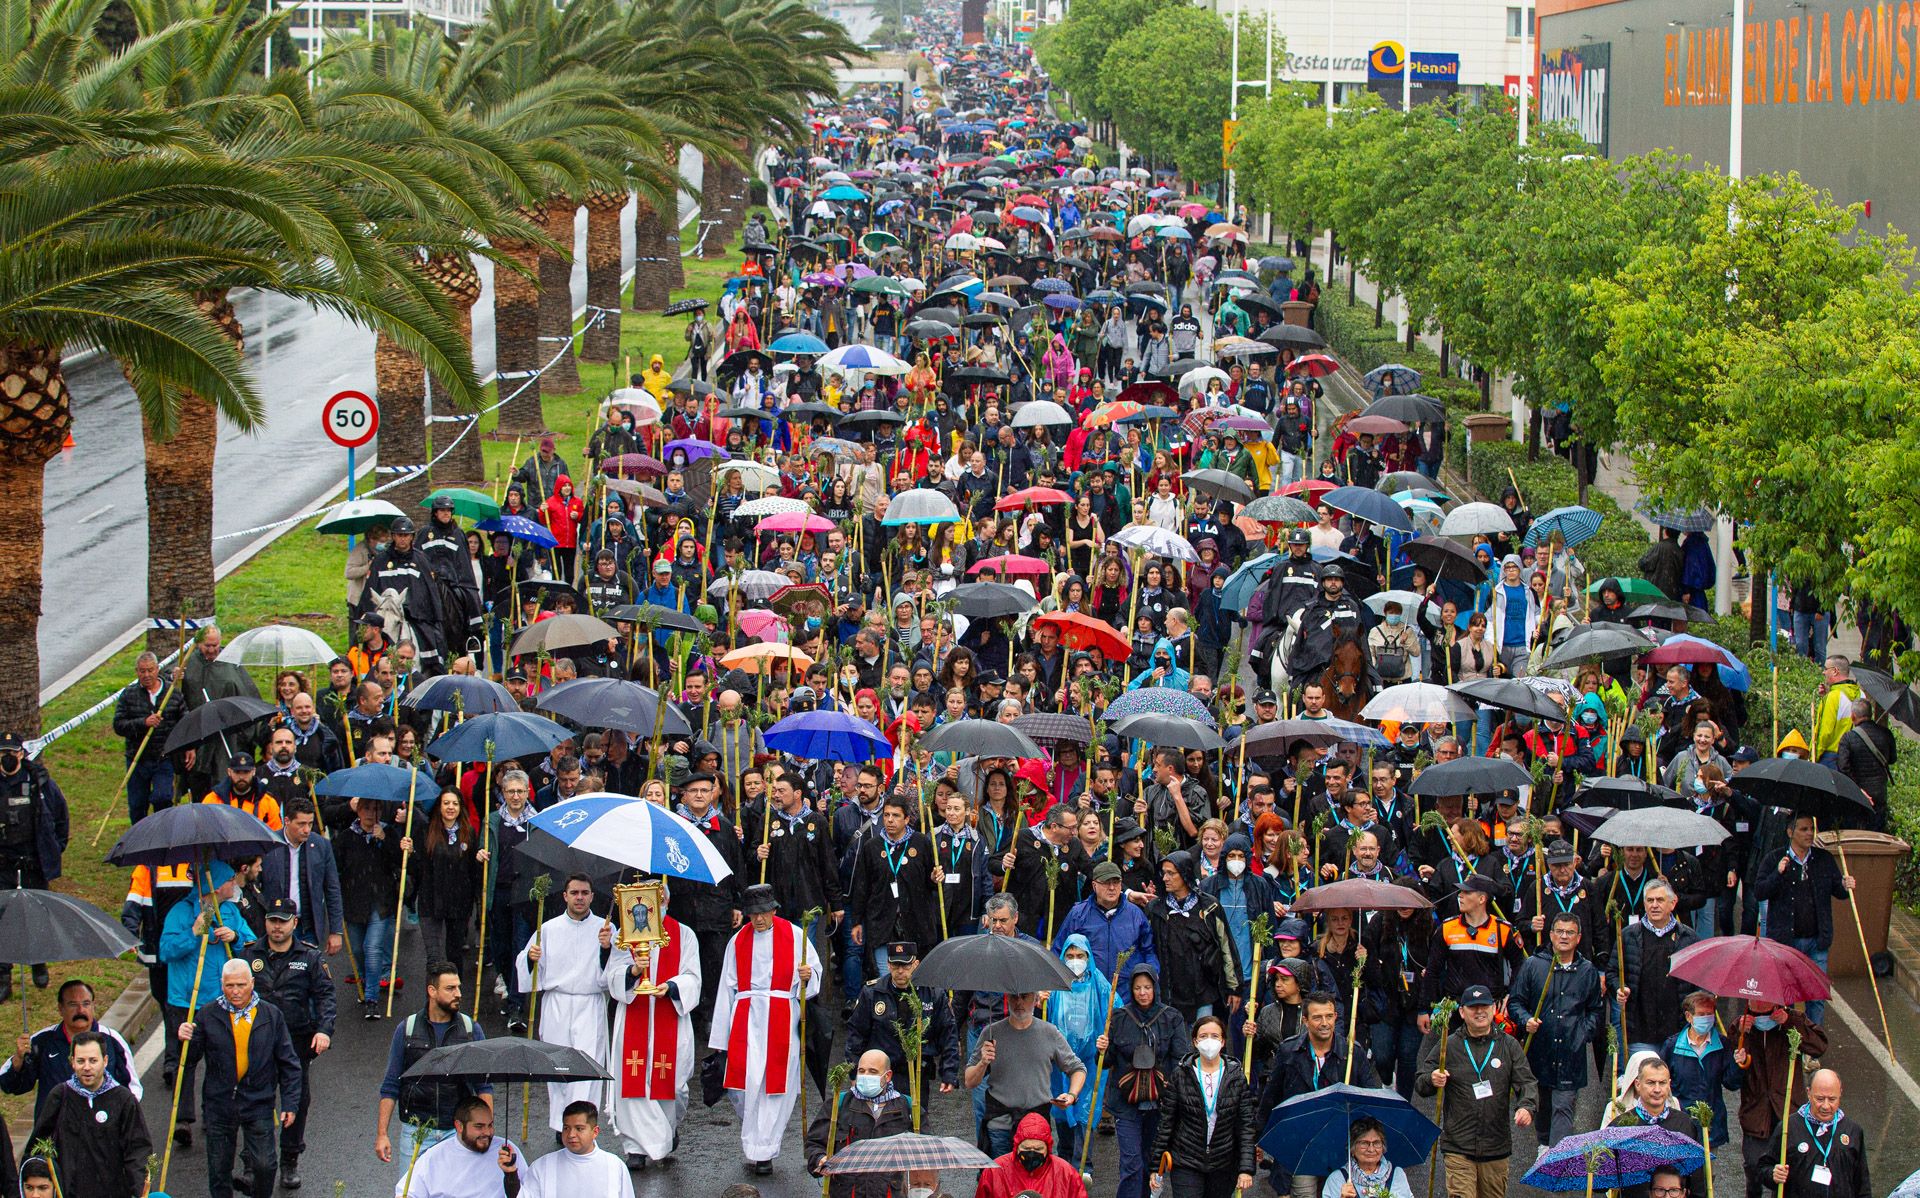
68 443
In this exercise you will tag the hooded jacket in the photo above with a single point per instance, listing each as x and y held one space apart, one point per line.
1156 1028
656 378
1056 1178
1080 1014
1196 950
1163 655
563 516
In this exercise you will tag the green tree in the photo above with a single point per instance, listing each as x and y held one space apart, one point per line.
1074 52
1165 84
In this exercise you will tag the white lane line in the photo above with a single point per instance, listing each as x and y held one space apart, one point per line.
95 513
1877 1050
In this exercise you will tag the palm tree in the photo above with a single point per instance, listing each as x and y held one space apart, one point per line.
87 265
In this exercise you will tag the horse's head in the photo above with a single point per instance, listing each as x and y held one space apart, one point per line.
1346 674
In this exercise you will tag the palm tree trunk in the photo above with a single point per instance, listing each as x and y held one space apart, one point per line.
556 302
716 190
401 381
652 275
601 342
35 417
516 338
457 279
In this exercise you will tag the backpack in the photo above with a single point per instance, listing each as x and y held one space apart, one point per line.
1142 1080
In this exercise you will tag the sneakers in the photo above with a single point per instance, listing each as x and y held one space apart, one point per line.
370 1011
499 987
290 1174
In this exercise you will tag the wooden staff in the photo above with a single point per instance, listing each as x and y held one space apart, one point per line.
1786 1121
499 494
1840 847
179 671
541 887
400 903
1539 1004
193 1004
836 1082
1100 1059
806 941
1259 933
1353 1018
486 836
1620 948
1019 822
1442 1016
1703 1115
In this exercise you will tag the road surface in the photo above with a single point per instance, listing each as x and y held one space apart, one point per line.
95 506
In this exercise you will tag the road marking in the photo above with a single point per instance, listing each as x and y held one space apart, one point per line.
1858 1026
149 1050
95 513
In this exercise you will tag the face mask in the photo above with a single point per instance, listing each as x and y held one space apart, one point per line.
1764 1023
1210 1047
1699 786
920 1192
1704 1023
1393 621
1032 1159
1077 966
1236 867
867 1085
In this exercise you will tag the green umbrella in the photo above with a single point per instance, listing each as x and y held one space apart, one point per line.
1632 588
468 504
878 239
882 285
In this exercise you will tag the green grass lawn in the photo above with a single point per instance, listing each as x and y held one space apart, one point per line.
298 579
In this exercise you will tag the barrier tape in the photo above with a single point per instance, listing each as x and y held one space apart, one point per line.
163 624
38 744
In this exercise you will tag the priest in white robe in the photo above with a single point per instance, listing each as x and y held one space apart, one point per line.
581 1169
767 973
573 1001
466 1163
653 1053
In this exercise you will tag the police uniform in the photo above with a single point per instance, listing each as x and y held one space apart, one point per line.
33 832
878 1015
299 983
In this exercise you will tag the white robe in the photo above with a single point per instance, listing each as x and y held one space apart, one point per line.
573 1003
598 1174
763 1116
648 1124
450 1169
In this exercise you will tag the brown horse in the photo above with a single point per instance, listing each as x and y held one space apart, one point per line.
1347 679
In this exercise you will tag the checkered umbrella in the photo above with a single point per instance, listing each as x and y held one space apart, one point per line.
1055 727
906 1151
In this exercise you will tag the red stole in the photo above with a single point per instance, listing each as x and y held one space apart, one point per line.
779 1008
656 1077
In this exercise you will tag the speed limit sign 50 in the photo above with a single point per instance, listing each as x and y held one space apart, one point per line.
351 419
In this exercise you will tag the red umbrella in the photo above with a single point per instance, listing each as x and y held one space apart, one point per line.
1081 631
1013 563
1753 967
1688 652
1150 392
789 181
1361 894
1313 366
1038 496
1311 489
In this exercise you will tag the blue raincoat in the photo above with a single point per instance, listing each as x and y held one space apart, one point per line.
1081 1016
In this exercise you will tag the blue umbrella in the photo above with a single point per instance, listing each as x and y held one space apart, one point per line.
1063 302
1622 1156
1575 524
828 736
520 529
1052 286
1242 583
1104 295
634 833
798 343
1696 520
498 735
1309 1134
1172 233
468 694
843 191
1367 504
1028 212
1158 700
1404 378
890 206
1150 412
382 783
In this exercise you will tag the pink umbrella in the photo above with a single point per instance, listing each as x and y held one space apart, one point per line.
764 625
1189 211
1375 424
1013 563
795 522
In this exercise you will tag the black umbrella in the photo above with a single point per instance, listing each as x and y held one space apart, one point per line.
981 738
1444 558
735 363
694 387
1146 288
1510 695
469 694
1626 794
573 631
549 588
811 409
498 736
613 703
873 418
1893 698
1169 731
682 307
1804 788
655 616
738 412
1258 299
1409 409
1002 964
988 600
213 719
509 1059
1598 641
1470 775
40 926
191 832
1672 612
930 330
1290 336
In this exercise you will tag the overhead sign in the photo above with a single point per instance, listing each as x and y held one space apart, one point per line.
1427 76
1575 90
351 419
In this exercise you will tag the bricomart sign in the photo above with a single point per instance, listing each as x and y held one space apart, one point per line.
1574 89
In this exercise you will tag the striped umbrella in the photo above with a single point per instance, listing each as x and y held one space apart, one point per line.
1575 524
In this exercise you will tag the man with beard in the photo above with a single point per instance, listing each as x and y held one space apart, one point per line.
404 569
204 679
465 1163
315 745
239 790
94 1124
430 1110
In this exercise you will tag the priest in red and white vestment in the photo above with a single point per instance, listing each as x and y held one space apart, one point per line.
766 974
653 1053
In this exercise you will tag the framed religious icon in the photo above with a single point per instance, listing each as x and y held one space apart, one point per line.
642 908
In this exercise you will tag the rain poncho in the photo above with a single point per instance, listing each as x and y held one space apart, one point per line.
656 378
1176 678
1081 1016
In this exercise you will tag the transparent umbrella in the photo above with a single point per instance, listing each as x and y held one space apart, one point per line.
277 646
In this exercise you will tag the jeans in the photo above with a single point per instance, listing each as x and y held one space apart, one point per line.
1701 920
506 936
851 959
149 788
1810 635
979 1091
1558 1109
1396 1053
1289 468
1066 1142
372 953
1816 1010
1483 730
223 1136
1133 1132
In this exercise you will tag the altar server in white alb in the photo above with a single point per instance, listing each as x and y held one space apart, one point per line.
653 1052
470 1161
768 971
580 1169
573 1002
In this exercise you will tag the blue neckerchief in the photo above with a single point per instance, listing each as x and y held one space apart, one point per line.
106 1083
230 1009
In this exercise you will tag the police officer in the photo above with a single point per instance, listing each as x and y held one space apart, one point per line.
880 1012
33 830
1332 611
292 975
403 568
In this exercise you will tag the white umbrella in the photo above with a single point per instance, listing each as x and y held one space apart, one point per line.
639 401
1151 538
1039 412
358 516
771 505
1476 519
754 476
278 646
991 243
1419 703
921 505
963 242
1196 380
864 357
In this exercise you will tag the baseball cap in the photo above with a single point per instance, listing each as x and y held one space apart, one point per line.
903 950
1561 853
1477 996
1480 884
240 761
1264 697
10 743
663 566
1106 871
282 908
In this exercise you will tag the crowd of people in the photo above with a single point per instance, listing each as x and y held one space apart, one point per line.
994 435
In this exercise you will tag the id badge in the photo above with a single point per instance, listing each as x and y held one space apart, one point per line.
1822 1176
1483 1089
1406 978
895 887
952 879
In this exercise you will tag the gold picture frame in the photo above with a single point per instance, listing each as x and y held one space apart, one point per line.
642 908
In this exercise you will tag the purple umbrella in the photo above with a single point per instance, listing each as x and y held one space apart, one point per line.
828 736
694 448
1062 301
1159 700
853 270
821 278
1613 1158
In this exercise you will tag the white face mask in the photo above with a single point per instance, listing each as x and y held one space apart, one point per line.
920 1192
1210 1047
1236 866
1077 966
